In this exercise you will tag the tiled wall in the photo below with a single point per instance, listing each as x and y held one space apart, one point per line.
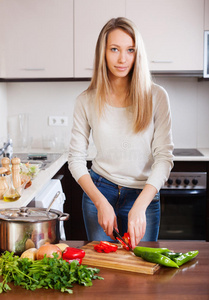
189 101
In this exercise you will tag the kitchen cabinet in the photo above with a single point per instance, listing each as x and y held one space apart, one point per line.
57 38
172 31
74 227
206 14
36 38
90 17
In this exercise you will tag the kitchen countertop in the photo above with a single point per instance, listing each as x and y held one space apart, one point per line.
205 157
190 281
45 175
38 183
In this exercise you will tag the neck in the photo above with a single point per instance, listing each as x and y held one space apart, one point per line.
119 86
119 92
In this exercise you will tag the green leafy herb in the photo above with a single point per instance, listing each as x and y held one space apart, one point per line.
47 273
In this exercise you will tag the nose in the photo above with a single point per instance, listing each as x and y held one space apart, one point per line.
122 57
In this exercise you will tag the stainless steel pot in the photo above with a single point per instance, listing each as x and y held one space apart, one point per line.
28 227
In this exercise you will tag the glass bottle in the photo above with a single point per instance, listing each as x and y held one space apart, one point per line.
3 182
12 194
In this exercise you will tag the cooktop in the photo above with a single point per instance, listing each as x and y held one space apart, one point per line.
187 152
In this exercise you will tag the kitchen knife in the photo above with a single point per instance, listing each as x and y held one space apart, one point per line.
117 235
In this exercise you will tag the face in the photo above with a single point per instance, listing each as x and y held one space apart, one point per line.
120 53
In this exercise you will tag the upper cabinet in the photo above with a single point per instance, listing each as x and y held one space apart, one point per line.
36 38
57 38
172 31
206 14
90 17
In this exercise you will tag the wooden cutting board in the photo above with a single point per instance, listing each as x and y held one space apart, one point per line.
120 260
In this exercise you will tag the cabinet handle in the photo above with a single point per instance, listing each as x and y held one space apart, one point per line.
89 69
162 61
33 69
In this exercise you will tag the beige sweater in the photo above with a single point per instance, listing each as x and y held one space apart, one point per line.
123 157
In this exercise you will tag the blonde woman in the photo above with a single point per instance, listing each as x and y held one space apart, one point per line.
129 118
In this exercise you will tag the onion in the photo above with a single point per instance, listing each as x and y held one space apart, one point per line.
62 246
48 249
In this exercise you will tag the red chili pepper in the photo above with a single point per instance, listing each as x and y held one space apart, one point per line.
71 253
105 247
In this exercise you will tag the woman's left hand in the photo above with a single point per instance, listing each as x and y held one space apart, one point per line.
137 214
136 225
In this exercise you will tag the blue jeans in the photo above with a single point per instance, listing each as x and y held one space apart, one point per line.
122 204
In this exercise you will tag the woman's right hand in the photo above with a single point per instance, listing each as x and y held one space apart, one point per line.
106 217
106 214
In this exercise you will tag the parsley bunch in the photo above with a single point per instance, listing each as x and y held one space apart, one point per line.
47 273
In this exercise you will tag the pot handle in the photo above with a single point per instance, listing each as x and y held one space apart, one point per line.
64 217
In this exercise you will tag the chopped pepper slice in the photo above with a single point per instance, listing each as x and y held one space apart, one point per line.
123 244
127 239
106 247
70 254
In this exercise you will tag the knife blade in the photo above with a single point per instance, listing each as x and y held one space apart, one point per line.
117 234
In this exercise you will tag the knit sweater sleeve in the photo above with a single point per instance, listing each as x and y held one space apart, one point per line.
162 145
79 138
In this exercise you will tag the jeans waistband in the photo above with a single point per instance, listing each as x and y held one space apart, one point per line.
99 178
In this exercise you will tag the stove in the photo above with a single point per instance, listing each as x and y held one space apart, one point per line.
187 152
183 199
186 181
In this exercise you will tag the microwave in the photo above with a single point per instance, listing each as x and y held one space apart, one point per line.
206 54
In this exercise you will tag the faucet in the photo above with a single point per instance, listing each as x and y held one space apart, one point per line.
7 149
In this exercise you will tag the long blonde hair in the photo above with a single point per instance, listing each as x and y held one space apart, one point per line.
140 79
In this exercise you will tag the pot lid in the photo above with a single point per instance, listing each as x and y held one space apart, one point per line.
27 214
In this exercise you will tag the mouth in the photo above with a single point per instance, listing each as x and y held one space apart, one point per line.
121 69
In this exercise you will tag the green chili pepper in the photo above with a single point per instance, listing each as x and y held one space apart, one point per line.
184 258
159 259
139 250
172 255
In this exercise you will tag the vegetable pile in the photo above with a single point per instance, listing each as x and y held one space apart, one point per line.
30 170
33 270
164 256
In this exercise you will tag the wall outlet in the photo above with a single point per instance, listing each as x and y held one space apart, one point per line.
58 121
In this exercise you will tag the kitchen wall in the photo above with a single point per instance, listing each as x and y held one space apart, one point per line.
3 113
39 100
189 101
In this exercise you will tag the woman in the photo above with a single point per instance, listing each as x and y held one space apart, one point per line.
129 118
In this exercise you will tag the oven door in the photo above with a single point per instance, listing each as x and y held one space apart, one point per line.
183 214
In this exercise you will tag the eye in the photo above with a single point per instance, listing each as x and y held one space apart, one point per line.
113 49
131 50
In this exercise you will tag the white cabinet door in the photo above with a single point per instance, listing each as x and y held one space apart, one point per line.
90 17
36 38
206 14
172 31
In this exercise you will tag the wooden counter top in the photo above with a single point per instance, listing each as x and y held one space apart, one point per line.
190 281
